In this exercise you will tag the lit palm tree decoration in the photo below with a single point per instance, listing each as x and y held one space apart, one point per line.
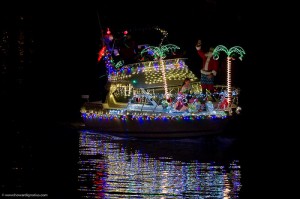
233 51
160 53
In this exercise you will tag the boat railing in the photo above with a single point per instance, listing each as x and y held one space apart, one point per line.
128 70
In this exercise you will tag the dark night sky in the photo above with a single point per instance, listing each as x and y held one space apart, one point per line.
67 40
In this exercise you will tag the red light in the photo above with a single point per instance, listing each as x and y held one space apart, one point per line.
108 31
101 53
125 32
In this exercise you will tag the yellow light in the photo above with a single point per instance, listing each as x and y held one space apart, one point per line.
229 91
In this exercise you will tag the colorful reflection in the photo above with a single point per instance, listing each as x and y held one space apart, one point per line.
110 169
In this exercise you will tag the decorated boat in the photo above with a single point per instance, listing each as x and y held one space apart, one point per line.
144 98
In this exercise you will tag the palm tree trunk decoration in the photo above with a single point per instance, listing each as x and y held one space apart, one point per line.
233 51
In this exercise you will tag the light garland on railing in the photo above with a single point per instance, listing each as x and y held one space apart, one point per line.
147 117
175 69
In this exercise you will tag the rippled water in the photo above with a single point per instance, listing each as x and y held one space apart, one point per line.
112 167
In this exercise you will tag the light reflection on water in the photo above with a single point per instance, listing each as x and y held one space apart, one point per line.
111 167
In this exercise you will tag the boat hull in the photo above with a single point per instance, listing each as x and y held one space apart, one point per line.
157 128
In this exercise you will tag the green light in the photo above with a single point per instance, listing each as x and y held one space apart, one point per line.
235 49
160 52
134 81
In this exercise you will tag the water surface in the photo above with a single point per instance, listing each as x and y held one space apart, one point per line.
112 167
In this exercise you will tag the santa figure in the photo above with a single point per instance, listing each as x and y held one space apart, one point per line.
209 68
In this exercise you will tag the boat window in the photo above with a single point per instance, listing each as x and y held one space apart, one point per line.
140 100
121 95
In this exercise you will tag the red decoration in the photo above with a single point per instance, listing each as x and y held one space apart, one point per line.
224 104
101 53
108 31
179 105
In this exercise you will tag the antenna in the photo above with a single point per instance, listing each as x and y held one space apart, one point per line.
100 26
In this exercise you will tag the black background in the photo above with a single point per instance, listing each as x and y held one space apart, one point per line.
63 65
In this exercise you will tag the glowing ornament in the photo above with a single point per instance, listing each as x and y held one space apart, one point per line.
108 31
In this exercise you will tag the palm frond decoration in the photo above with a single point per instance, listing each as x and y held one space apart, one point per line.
159 52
